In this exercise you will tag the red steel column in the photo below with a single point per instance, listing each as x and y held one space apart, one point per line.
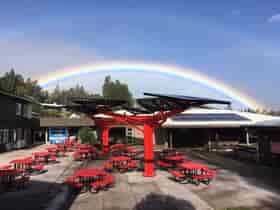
148 151
105 140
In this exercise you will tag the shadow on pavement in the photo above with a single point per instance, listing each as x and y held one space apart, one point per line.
257 174
36 195
163 202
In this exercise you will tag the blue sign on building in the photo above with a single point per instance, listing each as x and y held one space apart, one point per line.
58 135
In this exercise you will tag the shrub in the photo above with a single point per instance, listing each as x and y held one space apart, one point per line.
87 136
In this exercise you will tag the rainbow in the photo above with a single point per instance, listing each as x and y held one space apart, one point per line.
171 70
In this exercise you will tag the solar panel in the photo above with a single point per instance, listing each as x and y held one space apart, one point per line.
209 117
93 105
158 102
99 101
168 102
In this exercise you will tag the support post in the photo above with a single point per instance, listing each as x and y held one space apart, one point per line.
171 139
148 151
105 141
46 136
247 137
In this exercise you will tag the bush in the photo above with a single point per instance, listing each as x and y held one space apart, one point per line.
87 136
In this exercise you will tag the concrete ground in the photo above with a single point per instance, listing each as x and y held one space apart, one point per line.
231 189
239 184
42 189
133 191
6 157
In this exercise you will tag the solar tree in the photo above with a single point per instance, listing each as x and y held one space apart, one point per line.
154 111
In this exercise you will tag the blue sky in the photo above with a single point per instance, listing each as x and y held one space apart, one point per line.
236 42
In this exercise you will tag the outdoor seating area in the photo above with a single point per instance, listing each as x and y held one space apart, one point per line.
170 158
17 173
124 150
184 170
92 180
194 173
11 178
84 152
121 164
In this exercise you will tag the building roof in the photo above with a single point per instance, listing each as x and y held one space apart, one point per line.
219 118
46 122
17 98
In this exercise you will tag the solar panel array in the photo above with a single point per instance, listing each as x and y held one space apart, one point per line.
209 117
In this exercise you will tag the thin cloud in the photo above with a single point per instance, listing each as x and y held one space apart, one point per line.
34 58
274 18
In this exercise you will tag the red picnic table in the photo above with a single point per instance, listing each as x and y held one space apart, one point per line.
5 167
190 172
115 162
170 161
176 158
27 165
12 177
127 151
192 166
121 163
53 150
41 156
119 159
63 148
24 163
86 146
85 153
90 179
117 146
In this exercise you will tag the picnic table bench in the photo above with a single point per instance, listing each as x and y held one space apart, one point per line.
91 180
121 164
195 173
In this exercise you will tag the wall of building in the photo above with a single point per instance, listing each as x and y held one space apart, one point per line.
16 123
134 133
193 137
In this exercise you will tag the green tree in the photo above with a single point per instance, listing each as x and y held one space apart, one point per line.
87 136
116 90
64 96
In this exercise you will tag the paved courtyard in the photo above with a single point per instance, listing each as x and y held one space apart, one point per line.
230 189
42 189
238 184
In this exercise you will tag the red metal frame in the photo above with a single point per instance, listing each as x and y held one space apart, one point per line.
150 122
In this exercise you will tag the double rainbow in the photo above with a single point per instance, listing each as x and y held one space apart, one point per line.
171 70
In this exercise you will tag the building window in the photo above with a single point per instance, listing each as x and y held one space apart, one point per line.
4 136
27 111
20 134
18 109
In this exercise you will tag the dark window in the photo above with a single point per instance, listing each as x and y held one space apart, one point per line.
4 136
18 109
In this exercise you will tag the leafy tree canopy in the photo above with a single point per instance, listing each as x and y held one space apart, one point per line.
116 90
14 83
87 136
